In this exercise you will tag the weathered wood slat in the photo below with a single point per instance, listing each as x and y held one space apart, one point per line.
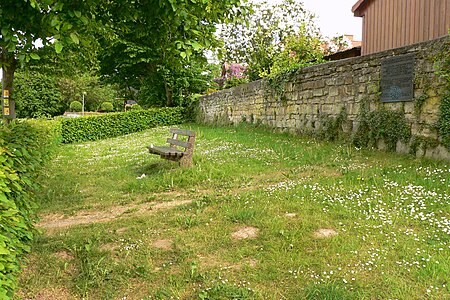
184 132
179 143
169 151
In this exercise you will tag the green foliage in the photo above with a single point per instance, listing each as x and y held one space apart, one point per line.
24 147
300 50
381 125
331 127
444 120
37 95
235 81
424 143
116 124
272 39
106 106
76 106
161 50
136 107
178 83
54 23
72 89
444 117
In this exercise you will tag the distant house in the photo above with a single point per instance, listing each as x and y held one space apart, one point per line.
129 103
391 24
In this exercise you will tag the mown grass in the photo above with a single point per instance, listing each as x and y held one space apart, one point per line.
390 212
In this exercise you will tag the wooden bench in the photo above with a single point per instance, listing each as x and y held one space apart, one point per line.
173 152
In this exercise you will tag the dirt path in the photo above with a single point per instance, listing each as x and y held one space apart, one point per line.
54 221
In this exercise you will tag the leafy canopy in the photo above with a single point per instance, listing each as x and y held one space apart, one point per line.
55 22
162 43
272 38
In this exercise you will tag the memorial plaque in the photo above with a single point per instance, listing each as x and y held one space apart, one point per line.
397 78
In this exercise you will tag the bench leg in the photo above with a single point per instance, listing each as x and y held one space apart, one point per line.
186 161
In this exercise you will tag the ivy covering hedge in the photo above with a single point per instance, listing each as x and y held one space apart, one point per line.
111 125
25 147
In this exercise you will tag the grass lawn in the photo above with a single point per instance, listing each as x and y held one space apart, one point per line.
260 216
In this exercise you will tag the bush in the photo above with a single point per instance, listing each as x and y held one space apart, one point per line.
106 106
37 95
135 107
111 125
76 106
25 147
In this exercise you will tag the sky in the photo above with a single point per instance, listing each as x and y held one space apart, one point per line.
335 17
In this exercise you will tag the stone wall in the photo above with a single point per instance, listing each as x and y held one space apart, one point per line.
304 101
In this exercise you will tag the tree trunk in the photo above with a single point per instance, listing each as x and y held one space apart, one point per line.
169 95
9 64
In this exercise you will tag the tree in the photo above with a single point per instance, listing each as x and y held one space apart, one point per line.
163 42
269 34
25 22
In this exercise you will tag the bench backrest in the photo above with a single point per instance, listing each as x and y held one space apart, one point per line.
188 145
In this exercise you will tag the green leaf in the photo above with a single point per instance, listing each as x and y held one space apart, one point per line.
4 32
74 38
58 47
77 13
183 54
196 46
84 20
3 250
35 56
54 21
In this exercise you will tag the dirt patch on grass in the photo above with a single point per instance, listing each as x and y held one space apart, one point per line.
163 244
121 230
49 294
54 221
110 247
247 232
64 255
325 233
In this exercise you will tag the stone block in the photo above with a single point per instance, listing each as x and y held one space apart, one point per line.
348 80
439 152
409 107
289 87
318 92
402 147
333 91
340 80
318 84
330 81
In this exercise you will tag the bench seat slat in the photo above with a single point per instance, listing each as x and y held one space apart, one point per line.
165 151
184 132
179 143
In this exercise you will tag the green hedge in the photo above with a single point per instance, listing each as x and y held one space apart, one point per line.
111 125
25 147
